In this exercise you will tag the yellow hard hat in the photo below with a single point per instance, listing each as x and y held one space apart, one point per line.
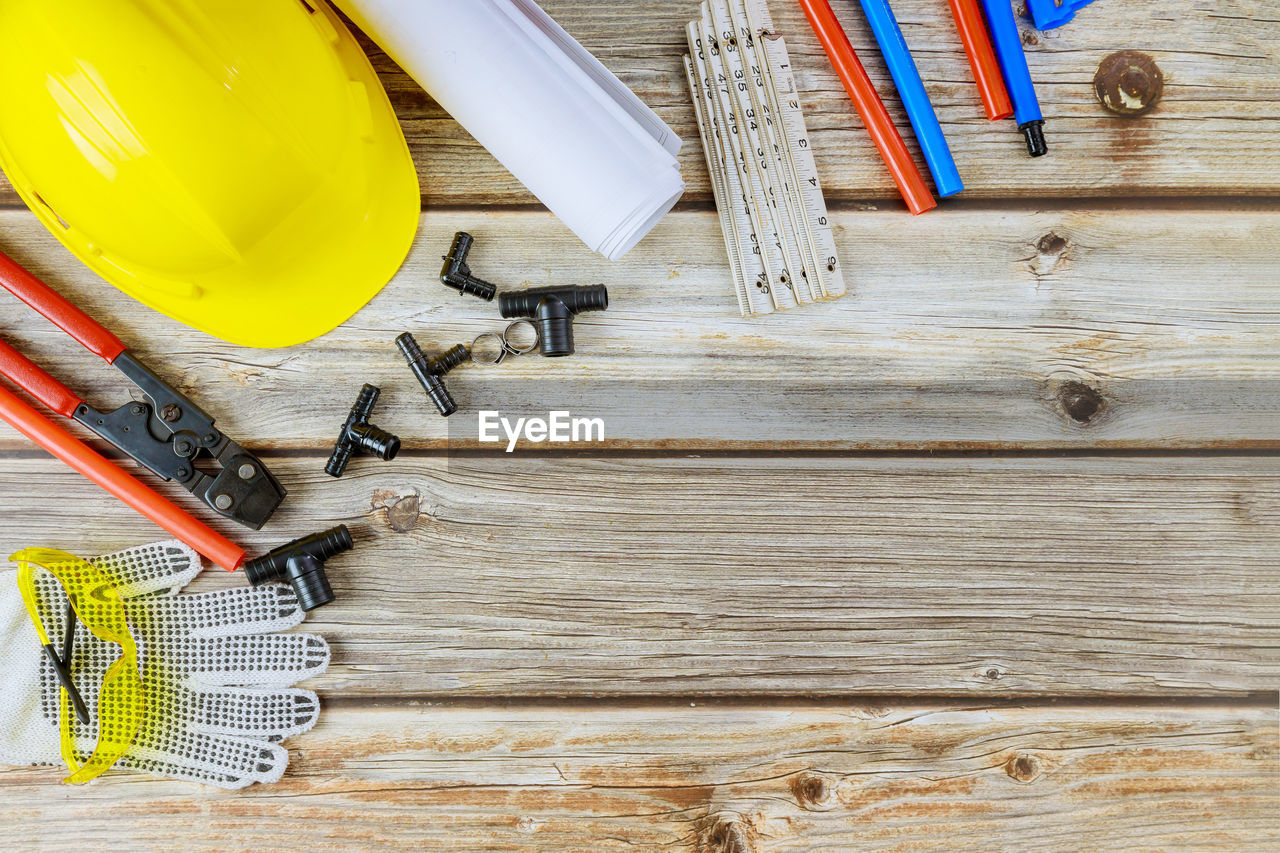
233 164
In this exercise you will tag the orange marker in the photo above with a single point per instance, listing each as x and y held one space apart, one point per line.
982 59
71 450
876 118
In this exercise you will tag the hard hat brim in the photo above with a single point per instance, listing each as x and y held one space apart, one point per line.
268 235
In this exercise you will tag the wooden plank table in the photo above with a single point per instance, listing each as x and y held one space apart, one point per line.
982 556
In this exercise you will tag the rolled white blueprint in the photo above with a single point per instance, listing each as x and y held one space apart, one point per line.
564 126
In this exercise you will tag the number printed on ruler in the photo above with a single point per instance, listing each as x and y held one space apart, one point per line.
769 240
762 168
755 129
741 240
724 205
776 63
759 291
775 145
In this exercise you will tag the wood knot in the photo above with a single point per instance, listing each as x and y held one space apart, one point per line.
1022 767
1129 83
402 512
1050 252
1051 244
993 673
813 791
1080 402
726 834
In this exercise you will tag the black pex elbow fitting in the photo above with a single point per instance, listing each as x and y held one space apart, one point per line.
301 565
360 435
553 309
430 370
456 274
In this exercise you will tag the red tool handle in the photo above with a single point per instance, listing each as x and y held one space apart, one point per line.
81 457
26 375
982 58
883 133
58 310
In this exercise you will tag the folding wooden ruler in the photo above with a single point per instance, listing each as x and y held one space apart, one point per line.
772 211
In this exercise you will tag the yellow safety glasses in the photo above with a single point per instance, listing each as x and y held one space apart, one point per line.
94 601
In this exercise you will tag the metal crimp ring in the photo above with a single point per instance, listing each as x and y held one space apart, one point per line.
512 348
505 347
503 352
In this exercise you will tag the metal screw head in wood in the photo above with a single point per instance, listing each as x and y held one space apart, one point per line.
1129 83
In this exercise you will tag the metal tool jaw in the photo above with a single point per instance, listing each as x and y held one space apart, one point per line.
170 435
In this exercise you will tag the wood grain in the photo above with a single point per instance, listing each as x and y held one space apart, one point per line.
729 779
1211 134
996 652
544 576
976 329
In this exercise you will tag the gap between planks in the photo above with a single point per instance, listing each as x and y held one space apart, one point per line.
1263 701
747 454
1205 203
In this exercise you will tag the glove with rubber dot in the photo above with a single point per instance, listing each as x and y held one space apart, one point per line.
217 673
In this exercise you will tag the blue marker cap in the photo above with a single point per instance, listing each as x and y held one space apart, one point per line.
1054 13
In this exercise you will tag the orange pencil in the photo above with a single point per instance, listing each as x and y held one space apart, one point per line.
982 59
876 118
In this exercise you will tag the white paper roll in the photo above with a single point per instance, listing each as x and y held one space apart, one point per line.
565 127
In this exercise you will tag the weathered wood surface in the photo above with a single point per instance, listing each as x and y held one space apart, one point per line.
484 577
989 329
1212 133
719 779
1049 318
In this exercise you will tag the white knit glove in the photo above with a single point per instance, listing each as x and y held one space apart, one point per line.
217 678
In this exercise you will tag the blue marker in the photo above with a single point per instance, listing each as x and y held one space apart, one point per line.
1017 77
1053 13
914 98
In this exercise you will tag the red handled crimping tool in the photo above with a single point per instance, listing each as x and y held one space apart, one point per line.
167 433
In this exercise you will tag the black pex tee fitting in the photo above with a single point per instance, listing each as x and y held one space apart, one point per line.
430 371
553 309
301 565
360 435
